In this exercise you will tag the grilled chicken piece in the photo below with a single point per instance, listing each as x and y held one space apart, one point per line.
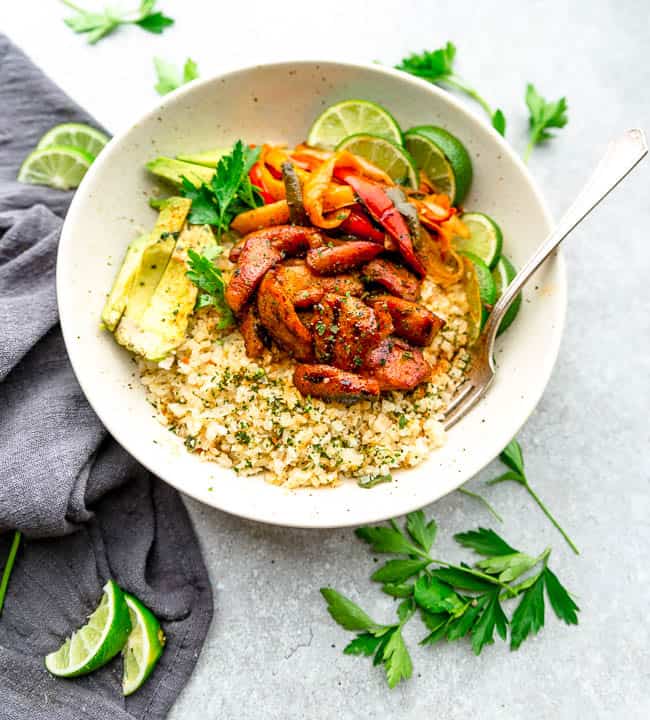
345 329
325 381
332 259
397 280
306 289
288 239
253 332
257 257
395 365
279 317
411 321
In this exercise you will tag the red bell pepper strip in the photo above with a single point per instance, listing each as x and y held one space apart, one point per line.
382 209
256 179
359 225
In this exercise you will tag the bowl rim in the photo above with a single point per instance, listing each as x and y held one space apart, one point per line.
132 446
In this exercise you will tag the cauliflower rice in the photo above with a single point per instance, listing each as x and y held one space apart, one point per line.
247 415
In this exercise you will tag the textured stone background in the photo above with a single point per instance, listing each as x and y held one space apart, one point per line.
273 651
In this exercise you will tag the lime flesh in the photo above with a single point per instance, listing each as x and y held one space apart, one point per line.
99 640
485 239
487 286
76 135
351 117
426 143
385 154
60 167
143 647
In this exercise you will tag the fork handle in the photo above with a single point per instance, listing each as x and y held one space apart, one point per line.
620 158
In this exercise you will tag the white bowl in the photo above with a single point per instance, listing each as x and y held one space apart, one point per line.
278 103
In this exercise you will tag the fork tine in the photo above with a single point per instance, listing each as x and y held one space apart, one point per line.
460 409
460 393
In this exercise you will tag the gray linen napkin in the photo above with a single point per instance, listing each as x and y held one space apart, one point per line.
87 509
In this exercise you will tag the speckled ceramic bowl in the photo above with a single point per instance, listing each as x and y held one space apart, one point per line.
278 103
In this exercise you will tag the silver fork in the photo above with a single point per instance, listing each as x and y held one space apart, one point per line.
621 156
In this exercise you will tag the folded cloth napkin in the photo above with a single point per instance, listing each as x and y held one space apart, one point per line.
88 511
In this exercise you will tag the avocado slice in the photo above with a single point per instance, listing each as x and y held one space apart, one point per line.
174 170
143 266
209 158
116 301
162 325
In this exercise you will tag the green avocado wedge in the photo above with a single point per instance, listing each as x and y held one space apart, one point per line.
173 171
143 267
160 326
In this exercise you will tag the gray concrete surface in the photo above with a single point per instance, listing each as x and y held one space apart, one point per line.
273 653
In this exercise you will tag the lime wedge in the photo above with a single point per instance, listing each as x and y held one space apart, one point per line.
144 646
76 135
99 640
443 158
351 117
486 284
503 274
385 154
59 167
485 240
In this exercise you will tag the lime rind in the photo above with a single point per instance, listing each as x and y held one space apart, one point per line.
385 154
98 641
143 647
59 166
76 135
503 274
486 238
351 117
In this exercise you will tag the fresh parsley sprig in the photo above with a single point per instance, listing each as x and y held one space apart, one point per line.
512 457
209 280
453 601
169 78
437 66
97 25
543 115
228 193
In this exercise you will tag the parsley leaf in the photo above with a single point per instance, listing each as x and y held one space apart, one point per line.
387 540
462 579
436 597
346 613
396 659
436 594
561 602
512 456
98 25
169 78
209 280
422 532
543 115
396 571
529 616
229 192
364 644
484 542
492 617
508 567
437 66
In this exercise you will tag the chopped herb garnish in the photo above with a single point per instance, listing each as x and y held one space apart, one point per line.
209 280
